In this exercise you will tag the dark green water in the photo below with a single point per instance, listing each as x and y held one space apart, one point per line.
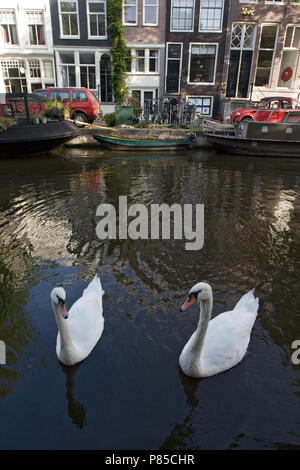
130 393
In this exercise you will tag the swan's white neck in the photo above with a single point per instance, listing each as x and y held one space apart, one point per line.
205 314
67 347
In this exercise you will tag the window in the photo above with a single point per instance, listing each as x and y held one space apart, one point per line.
60 95
34 68
13 72
96 11
142 60
35 27
106 79
48 69
265 56
67 69
79 97
153 60
290 57
211 14
242 45
150 12
68 19
203 104
8 28
130 12
202 63
174 52
87 70
182 15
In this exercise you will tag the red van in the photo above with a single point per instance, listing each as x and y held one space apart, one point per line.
83 103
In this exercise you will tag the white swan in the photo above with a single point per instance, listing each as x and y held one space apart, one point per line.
81 328
220 343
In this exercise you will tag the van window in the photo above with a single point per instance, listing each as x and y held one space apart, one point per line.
79 96
60 95
41 93
94 98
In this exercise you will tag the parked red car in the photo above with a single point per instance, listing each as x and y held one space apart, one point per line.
84 106
268 109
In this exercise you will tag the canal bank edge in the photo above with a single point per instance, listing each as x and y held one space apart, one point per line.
86 140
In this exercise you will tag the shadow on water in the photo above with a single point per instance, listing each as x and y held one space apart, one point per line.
130 393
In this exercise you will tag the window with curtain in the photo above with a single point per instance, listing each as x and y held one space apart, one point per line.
8 28
150 12
35 23
130 12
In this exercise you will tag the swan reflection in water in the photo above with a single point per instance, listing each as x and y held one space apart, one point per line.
76 409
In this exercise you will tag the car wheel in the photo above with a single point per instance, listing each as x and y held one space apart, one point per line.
80 117
248 118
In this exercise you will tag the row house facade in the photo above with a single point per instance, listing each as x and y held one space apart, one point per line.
262 55
207 51
26 46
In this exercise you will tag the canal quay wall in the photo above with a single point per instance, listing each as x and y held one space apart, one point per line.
86 140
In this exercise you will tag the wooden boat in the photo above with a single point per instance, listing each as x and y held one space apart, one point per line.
31 138
120 143
270 139
23 137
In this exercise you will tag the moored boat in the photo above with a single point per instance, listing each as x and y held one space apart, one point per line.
270 139
25 130
121 143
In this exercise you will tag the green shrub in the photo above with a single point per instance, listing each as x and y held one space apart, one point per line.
110 119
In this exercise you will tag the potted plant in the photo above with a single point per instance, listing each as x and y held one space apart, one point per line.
35 118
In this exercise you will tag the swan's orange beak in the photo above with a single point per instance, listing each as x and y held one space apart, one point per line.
63 309
188 303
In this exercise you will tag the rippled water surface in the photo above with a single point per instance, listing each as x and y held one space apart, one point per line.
130 393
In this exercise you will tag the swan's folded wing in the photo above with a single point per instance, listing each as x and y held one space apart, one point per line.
86 321
226 341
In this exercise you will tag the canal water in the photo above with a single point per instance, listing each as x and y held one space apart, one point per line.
130 393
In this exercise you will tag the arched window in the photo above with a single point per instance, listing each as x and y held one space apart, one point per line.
106 79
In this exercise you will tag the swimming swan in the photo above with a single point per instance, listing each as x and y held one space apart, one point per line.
80 329
220 343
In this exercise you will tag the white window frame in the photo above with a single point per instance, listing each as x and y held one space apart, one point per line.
181 30
147 58
242 49
88 13
211 30
215 65
287 49
60 13
274 2
136 14
30 24
157 10
274 51
180 67
2 43
203 96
